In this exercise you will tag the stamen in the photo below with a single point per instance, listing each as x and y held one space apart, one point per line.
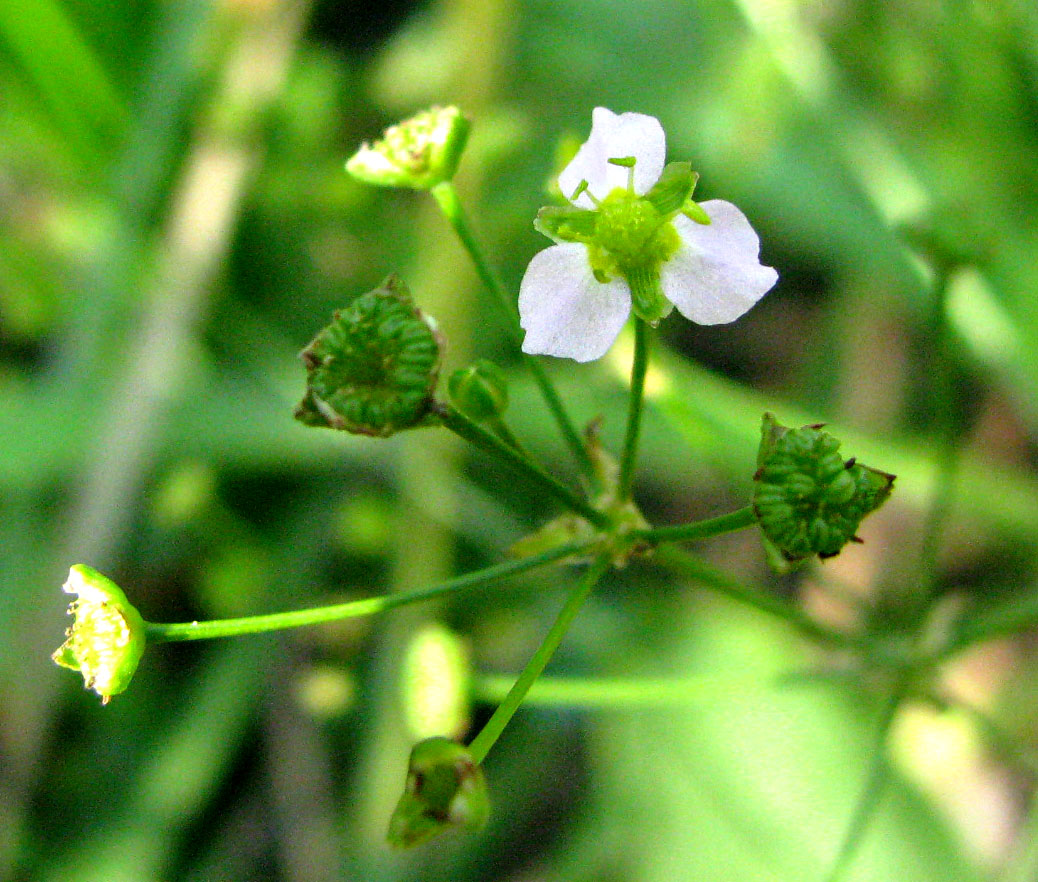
626 162
582 188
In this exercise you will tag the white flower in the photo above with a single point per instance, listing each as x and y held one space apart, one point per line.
627 234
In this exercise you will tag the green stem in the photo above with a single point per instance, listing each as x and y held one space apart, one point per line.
727 523
164 633
489 734
475 434
946 433
875 778
634 407
720 582
446 197
619 693
503 432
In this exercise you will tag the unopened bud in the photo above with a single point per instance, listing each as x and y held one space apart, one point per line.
445 790
479 391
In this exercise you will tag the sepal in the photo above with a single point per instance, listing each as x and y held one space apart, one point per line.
674 187
647 298
373 370
695 212
563 223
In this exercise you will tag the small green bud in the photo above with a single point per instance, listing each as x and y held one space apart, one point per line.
445 789
419 153
373 370
106 639
479 391
807 498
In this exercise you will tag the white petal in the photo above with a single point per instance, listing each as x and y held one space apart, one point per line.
716 276
565 311
613 137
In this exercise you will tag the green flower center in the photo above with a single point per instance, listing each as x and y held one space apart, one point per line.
630 235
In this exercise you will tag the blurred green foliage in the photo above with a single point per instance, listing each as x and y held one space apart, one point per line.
175 224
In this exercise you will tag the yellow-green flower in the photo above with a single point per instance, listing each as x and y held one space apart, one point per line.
419 153
106 639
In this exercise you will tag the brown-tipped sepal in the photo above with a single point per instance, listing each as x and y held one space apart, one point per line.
807 498
445 790
373 370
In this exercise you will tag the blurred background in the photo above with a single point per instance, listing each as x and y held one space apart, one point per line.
175 225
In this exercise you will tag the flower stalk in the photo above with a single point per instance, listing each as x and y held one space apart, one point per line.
634 408
446 196
476 435
726 523
214 628
488 735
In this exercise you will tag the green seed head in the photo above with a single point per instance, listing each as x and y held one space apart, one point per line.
373 370
630 233
807 498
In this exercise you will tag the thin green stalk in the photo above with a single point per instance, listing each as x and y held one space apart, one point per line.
634 407
489 734
475 434
875 778
1004 620
446 197
720 582
503 432
946 434
164 633
726 523
618 693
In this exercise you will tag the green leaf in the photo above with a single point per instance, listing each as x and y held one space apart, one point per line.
53 55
